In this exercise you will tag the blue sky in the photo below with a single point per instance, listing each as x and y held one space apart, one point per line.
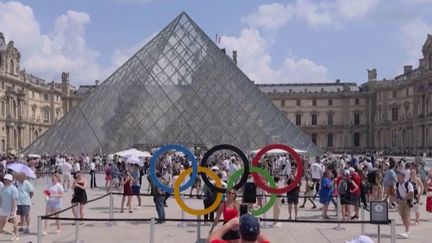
277 41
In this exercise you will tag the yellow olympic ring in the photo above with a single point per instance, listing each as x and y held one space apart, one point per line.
192 211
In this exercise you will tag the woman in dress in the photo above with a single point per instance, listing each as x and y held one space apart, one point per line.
108 177
230 209
80 195
325 193
54 194
127 191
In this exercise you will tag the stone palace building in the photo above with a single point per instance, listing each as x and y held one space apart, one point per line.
28 105
391 116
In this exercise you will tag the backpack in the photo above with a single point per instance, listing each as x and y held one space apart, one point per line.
343 187
423 173
406 189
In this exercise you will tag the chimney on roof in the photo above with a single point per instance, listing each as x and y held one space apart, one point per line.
338 81
407 69
234 56
97 82
223 50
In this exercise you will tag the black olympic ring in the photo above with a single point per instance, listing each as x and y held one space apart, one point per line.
245 160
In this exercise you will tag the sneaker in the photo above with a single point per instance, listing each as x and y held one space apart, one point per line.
58 232
21 229
404 235
354 217
44 233
15 237
27 231
277 225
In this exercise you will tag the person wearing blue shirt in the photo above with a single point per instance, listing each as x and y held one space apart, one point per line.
9 197
325 193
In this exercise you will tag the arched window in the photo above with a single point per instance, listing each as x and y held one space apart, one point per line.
14 109
12 67
3 109
46 115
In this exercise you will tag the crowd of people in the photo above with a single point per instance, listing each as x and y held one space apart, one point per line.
347 182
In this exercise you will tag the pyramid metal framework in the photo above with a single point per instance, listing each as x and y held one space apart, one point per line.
179 88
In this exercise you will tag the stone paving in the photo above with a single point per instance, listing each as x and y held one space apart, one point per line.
171 232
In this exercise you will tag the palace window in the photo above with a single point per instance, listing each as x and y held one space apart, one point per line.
330 140
3 109
314 102
356 139
395 114
298 120
282 103
46 97
314 138
330 102
46 115
356 118
330 119
314 119
357 101
298 102
394 139
407 92
394 94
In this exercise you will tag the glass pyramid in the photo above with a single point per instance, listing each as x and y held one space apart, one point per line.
179 88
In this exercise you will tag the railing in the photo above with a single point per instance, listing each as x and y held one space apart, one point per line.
111 220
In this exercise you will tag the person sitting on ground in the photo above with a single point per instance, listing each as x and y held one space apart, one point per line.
247 225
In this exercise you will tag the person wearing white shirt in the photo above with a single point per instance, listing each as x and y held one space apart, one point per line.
317 172
405 196
93 174
66 175
226 164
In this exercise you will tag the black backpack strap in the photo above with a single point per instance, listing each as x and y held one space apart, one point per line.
397 191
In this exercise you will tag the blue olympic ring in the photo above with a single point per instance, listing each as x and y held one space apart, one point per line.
154 159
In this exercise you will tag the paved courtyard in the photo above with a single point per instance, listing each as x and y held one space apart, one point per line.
170 232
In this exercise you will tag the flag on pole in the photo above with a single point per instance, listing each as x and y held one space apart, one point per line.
218 39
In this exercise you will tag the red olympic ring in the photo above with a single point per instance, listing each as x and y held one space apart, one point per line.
297 179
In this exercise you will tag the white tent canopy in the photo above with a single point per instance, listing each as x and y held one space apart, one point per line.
133 152
280 151
132 159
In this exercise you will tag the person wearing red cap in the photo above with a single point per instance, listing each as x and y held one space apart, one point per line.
247 225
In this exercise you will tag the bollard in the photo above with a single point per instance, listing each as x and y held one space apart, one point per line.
182 224
339 216
393 231
199 228
77 223
379 234
39 229
111 210
152 229
362 218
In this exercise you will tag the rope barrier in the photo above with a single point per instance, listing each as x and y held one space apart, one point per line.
74 205
238 195
201 220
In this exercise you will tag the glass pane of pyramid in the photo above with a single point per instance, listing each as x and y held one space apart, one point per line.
179 88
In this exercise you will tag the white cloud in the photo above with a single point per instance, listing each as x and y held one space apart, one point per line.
47 55
314 13
414 35
255 61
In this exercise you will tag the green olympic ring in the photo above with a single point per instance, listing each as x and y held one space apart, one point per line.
267 176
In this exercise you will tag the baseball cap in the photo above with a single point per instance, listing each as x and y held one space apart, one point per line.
215 168
249 227
8 177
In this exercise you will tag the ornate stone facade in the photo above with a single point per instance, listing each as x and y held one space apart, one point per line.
392 116
28 104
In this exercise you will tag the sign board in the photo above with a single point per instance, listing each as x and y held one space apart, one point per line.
378 212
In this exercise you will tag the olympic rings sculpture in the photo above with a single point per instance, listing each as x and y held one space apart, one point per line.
243 173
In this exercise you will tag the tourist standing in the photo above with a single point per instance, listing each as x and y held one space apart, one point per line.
9 197
127 192
108 177
418 190
293 197
136 182
66 175
80 195
405 196
389 180
229 209
325 193
54 193
93 174
317 172
158 198
25 193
